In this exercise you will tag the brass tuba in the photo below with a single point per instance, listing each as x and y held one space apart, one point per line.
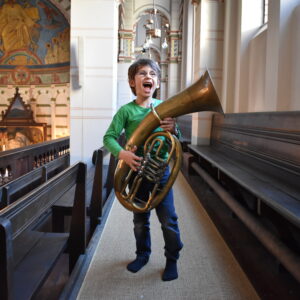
200 96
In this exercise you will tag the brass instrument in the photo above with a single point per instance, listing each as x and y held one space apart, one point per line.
200 96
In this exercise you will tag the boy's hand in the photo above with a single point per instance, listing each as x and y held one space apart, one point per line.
130 158
168 124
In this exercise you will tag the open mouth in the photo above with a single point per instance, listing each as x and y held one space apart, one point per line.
147 86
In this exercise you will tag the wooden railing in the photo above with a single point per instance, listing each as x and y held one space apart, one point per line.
17 162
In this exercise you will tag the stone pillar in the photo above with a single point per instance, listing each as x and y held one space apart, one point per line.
68 114
126 51
33 107
164 80
229 55
208 54
53 119
92 104
279 66
295 68
174 63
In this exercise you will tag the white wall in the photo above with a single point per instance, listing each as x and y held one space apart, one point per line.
208 55
261 69
257 69
264 59
93 74
188 45
286 69
273 67
295 68
124 92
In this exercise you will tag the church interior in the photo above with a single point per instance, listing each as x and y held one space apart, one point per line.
229 78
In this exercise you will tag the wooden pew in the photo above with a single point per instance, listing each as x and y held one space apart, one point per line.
253 163
16 188
102 185
27 254
101 190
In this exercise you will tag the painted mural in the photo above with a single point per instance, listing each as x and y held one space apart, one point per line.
34 43
12 137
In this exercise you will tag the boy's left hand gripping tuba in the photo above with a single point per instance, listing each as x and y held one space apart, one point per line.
201 96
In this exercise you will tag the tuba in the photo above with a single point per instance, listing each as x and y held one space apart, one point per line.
200 96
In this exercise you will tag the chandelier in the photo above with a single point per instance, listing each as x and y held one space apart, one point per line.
154 29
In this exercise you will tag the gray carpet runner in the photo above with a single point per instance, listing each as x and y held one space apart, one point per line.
207 268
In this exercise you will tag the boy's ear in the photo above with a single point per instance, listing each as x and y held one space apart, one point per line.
132 83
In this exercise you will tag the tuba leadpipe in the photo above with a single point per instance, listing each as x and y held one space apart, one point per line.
200 96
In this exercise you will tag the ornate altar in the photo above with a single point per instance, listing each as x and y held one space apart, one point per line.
18 128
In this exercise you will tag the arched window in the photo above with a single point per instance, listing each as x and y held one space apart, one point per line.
265 11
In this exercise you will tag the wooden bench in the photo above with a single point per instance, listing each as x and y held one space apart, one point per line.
99 189
17 188
255 158
27 253
102 185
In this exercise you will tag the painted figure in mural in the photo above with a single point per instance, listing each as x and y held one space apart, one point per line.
64 42
36 135
58 51
49 57
20 137
17 139
51 16
18 27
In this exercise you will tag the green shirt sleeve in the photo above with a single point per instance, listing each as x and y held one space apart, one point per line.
113 133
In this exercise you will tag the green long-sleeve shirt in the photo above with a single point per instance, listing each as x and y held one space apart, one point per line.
128 117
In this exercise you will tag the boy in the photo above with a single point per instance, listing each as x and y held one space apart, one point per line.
144 77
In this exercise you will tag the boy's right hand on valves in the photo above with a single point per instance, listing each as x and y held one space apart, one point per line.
130 158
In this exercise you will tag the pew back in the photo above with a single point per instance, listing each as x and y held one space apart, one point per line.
272 139
259 152
102 184
27 253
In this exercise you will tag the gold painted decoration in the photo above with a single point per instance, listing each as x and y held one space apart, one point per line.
17 26
33 34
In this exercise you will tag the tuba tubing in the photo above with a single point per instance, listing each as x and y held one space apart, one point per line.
200 96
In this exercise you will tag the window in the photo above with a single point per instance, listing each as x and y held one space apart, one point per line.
265 11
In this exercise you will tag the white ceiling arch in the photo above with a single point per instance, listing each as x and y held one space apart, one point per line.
141 10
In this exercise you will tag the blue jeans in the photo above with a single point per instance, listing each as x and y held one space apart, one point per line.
168 219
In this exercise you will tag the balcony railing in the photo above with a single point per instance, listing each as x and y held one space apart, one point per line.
17 162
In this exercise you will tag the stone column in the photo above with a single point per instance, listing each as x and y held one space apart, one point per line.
53 119
126 50
208 55
93 104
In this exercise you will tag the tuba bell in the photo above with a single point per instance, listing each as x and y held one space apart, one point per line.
200 96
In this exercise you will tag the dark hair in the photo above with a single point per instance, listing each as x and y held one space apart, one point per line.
134 68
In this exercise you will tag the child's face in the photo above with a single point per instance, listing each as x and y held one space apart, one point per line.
145 82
